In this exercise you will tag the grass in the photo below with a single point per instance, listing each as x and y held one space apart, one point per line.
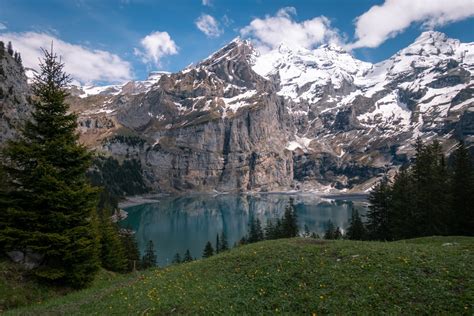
303 276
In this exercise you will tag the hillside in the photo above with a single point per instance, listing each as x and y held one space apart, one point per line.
427 275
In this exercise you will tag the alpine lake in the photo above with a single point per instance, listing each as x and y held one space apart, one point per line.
178 223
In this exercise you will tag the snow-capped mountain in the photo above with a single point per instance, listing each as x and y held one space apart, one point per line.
292 118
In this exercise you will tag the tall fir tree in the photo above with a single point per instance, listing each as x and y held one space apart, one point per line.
378 215
47 206
10 49
290 221
176 258
149 258
132 254
462 190
187 256
218 244
224 243
356 229
330 230
112 248
208 250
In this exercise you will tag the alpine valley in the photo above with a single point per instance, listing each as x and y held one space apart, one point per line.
290 119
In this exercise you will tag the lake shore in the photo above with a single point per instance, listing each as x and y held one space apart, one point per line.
130 201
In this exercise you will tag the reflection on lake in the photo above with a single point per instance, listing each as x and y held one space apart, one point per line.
175 224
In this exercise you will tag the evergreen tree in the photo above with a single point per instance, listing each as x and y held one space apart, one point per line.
356 229
218 244
177 258
330 230
290 221
462 190
149 258
2 49
10 49
208 250
224 244
403 206
112 249
48 205
132 254
314 235
255 231
378 216
432 198
337 233
187 256
270 230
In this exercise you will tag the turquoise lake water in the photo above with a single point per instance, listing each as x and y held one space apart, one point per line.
175 224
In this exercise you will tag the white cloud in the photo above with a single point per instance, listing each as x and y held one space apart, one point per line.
2 26
208 25
271 31
385 21
155 46
83 64
206 3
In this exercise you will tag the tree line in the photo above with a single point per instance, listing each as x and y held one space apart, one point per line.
433 196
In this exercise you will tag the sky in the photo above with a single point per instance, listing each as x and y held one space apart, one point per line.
111 41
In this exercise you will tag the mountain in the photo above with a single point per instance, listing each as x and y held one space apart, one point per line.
14 101
292 118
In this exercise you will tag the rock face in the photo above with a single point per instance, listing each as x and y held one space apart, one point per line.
290 119
14 101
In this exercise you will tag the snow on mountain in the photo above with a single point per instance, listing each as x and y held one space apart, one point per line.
303 73
319 115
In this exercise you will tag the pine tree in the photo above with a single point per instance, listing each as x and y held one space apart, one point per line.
405 217
270 230
462 189
356 229
330 230
112 249
208 250
48 205
337 233
149 258
2 49
218 244
432 198
378 215
187 256
224 244
290 221
132 254
10 49
177 258
255 231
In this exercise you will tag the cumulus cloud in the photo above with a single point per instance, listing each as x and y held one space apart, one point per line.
385 21
2 26
271 31
155 46
83 64
208 25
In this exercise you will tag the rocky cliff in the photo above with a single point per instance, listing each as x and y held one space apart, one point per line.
14 101
289 119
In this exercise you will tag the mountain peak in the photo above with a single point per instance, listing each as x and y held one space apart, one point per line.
431 43
431 37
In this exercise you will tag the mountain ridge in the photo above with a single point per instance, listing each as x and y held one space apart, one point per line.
290 119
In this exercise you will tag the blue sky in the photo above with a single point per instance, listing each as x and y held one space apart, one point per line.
136 36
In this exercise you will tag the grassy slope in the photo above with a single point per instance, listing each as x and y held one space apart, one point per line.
294 275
